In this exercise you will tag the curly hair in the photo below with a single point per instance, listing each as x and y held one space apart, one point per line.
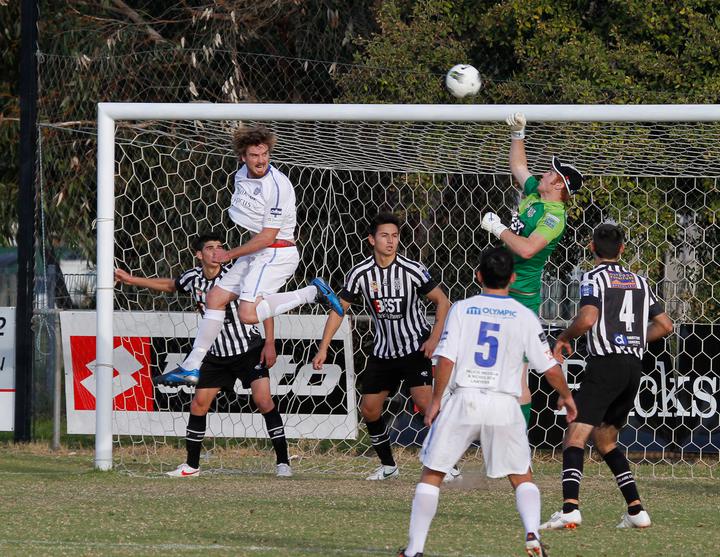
244 137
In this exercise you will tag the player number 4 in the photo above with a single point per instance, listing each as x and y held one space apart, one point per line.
626 311
488 340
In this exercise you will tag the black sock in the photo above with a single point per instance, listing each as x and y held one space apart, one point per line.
276 432
194 435
620 467
572 473
381 441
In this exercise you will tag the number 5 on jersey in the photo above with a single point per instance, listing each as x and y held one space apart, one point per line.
487 340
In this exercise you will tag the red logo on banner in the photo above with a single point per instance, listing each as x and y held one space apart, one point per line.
131 383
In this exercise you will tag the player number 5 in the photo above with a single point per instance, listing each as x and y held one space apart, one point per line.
486 339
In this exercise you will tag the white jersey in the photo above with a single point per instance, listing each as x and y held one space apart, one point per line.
267 202
486 337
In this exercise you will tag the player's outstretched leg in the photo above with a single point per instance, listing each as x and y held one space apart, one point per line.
272 305
188 372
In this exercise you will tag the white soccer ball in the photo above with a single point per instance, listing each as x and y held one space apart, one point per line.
463 80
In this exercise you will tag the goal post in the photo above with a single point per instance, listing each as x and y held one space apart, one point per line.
434 147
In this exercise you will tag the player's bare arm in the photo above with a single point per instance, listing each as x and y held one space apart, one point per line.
518 159
443 370
557 381
442 306
331 326
158 284
260 241
661 325
584 320
268 356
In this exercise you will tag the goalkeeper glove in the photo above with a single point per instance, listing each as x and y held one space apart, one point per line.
517 125
491 223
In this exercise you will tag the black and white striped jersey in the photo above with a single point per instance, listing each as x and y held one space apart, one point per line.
626 305
235 337
392 295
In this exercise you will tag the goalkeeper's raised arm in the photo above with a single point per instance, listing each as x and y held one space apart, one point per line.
518 160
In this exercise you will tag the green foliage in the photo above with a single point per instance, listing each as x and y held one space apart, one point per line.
416 43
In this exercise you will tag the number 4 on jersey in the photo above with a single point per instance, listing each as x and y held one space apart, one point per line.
626 311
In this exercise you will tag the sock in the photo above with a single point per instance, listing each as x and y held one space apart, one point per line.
572 473
273 305
526 408
276 431
381 441
527 499
194 435
424 506
620 467
635 509
209 329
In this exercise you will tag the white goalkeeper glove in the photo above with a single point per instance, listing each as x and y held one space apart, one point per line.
491 223
517 123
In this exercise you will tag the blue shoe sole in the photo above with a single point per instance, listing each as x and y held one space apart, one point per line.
330 297
178 376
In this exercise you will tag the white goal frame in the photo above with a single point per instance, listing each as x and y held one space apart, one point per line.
109 113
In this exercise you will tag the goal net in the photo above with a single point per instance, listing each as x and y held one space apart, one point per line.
165 176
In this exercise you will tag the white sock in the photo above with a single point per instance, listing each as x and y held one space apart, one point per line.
209 329
527 498
276 304
424 506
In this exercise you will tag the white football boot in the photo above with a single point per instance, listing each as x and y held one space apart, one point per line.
384 473
639 520
561 520
283 470
184 471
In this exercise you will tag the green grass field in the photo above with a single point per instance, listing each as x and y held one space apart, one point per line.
55 504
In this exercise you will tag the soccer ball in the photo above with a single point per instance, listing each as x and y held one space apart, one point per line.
462 81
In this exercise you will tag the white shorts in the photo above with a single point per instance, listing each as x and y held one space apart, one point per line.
264 272
471 415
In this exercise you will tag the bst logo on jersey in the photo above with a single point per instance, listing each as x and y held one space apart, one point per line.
389 308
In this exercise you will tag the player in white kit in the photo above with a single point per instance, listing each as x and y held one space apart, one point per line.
480 360
263 203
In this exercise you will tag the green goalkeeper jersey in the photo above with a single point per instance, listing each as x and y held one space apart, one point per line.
546 218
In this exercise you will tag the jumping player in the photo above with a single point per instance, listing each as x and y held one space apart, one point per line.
237 353
538 226
263 203
480 360
391 286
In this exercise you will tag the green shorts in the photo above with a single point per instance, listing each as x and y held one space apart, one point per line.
531 302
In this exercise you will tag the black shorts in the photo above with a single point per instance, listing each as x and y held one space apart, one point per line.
608 389
385 374
223 372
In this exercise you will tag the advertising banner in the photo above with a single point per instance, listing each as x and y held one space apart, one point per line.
7 369
314 404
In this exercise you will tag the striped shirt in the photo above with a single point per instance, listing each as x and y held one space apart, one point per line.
626 304
393 295
235 337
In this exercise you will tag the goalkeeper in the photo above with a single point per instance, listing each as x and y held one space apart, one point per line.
536 228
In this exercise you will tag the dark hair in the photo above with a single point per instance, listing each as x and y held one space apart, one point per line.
608 238
244 137
380 219
496 267
199 242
